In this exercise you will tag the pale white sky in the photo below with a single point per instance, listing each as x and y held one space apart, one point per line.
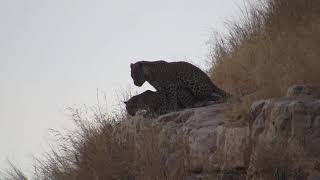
56 53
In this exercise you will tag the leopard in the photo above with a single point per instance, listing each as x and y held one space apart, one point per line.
153 102
149 100
169 78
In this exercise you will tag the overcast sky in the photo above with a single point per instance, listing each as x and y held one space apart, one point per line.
56 54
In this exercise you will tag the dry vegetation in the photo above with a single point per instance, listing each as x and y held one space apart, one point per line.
276 163
13 173
114 148
276 45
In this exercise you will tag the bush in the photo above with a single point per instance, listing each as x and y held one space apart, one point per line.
116 148
276 45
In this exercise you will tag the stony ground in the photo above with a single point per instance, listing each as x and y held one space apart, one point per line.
280 137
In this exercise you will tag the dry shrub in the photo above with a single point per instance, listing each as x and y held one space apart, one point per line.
275 163
277 44
13 173
115 149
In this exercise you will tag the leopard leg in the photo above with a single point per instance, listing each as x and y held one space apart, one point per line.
171 97
163 108
185 98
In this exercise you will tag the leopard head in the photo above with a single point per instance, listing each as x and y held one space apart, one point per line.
139 73
131 107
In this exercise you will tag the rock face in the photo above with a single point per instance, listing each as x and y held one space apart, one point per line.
279 136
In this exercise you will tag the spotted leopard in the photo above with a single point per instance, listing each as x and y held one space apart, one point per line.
169 78
150 101
153 102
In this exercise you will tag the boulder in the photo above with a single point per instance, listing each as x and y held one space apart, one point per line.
213 145
303 90
279 136
287 129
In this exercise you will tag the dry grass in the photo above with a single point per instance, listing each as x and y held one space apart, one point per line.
275 163
113 148
13 173
277 44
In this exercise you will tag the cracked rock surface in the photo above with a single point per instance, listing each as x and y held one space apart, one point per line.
274 130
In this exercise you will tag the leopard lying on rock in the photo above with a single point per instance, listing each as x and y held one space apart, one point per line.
150 101
153 102
169 78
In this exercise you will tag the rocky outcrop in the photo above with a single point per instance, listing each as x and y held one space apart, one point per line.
278 138
288 129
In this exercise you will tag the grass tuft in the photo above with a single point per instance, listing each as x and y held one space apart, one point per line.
115 149
275 46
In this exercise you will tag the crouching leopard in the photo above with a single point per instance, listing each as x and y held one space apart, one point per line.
153 102
150 101
169 78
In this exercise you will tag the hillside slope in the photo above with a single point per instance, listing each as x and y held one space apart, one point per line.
262 136
275 46
278 139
